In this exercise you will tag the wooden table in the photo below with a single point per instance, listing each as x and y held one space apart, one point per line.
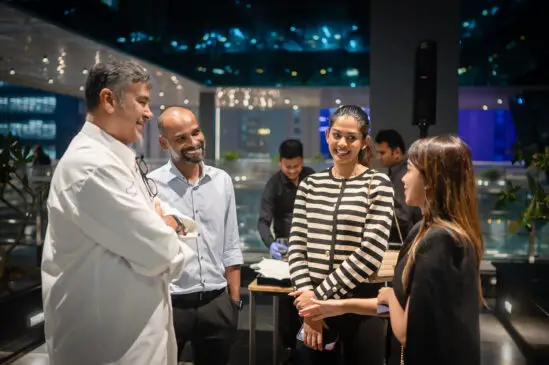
274 291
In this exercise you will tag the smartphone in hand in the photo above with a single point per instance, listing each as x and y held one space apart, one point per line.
382 309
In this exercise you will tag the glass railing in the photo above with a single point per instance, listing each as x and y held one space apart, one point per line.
501 242
249 178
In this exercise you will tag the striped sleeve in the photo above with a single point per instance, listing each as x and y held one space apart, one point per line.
366 259
297 252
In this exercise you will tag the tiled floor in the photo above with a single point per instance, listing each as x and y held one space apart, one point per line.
497 346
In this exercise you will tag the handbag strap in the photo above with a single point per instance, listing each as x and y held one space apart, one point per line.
394 210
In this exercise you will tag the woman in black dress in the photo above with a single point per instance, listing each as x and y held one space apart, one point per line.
435 303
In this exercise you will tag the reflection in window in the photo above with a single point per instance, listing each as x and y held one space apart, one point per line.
50 151
28 104
31 129
111 3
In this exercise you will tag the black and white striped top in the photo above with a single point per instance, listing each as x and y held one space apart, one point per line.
339 232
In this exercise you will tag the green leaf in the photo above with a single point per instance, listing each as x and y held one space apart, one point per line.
532 184
508 196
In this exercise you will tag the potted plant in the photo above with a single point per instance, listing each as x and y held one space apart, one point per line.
22 199
534 199
521 284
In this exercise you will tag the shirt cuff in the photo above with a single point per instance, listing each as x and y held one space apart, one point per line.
233 259
324 291
307 287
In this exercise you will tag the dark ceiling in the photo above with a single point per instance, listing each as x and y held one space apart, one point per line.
289 43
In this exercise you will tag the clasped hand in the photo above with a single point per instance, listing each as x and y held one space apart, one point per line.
384 295
167 218
312 328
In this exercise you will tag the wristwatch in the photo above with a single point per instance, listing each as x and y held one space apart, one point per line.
238 303
180 229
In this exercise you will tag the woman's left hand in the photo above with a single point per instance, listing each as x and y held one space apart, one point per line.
302 298
384 295
321 309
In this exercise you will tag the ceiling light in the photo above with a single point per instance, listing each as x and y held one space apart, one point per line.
162 107
500 101
81 88
186 101
179 87
12 72
84 72
45 59
338 101
161 94
50 81
286 101
295 107
485 107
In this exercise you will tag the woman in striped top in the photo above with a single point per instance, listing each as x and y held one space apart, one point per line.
342 218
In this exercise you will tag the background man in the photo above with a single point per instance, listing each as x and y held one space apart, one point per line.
277 205
204 313
391 153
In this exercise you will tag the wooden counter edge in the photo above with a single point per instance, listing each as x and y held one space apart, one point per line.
255 287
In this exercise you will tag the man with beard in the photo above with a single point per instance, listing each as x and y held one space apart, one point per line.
205 313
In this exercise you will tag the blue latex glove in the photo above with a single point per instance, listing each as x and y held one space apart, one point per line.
277 250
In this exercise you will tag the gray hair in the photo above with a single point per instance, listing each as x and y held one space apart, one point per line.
116 76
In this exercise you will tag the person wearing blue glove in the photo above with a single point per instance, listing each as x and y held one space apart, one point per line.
277 205
278 250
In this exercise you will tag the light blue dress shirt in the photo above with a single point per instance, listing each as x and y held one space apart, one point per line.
211 203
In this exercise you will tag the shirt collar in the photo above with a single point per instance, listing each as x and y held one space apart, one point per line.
173 173
125 153
398 166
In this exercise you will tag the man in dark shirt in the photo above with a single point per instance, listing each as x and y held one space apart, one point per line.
391 153
277 205
40 158
277 202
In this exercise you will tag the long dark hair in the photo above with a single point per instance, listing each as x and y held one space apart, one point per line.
446 167
358 114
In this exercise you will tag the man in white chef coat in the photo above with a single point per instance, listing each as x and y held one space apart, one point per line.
108 254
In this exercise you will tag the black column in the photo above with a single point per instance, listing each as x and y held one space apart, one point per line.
397 28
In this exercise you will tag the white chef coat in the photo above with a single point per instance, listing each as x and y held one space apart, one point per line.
107 261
